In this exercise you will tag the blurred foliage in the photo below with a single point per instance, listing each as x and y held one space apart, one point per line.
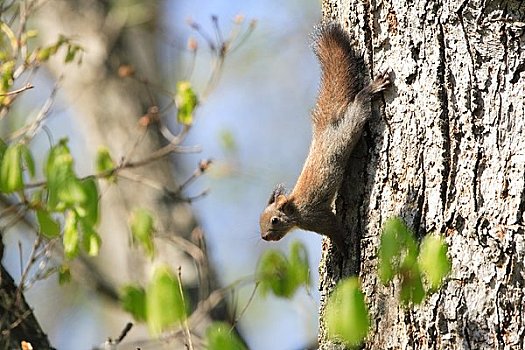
433 260
142 230
63 194
105 164
400 255
220 336
186 100
17 56
281 275
64 274
161 304
347 314
14 158
72 50
164 301
227 141
133 300
66 206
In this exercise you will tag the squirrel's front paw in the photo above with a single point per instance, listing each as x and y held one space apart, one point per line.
382 81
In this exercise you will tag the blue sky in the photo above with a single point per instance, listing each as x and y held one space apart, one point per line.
263 100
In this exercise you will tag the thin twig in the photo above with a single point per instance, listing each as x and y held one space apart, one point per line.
248 303
20 258
203 309
203 166
170 137
157 155
185 319
136 144
218 33
30 130
32 259
216 73
17 322
192 199
198 256
10 209
18 91
19 215
195 26
244 37
215 297
187 246
193 47
124 332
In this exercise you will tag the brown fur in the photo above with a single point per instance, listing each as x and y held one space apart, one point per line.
338 119
340 66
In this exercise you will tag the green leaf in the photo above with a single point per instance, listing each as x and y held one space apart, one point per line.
44 54
90 239
274 275
433 260
72 193
397 246
31 33
133 300
71 53
412 290
299 268
58 170
104 162
388 255
347 314
11 179
49 227
72 50
66 190
28 159
227 141
87 209
64 274
164 301
399 254
142 229
186 102
71 237
9 36
283 276
7 70
219 336
3 147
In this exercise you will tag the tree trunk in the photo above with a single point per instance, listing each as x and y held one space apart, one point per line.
17 322
445 151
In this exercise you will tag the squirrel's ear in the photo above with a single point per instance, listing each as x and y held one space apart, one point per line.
278 191
284 204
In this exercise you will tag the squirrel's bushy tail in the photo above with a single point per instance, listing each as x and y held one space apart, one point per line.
340 77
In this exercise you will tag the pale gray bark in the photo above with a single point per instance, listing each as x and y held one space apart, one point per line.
445 150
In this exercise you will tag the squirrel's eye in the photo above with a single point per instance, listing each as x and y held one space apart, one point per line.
274 220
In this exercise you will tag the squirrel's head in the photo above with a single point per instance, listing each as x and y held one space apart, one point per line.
277 219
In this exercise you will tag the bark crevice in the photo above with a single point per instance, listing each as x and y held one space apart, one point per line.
446 156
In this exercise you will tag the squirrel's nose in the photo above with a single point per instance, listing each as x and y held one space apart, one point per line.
270 236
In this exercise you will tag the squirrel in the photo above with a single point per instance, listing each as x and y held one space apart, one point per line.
338 118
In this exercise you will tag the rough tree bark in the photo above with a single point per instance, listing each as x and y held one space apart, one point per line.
445 151
17 323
